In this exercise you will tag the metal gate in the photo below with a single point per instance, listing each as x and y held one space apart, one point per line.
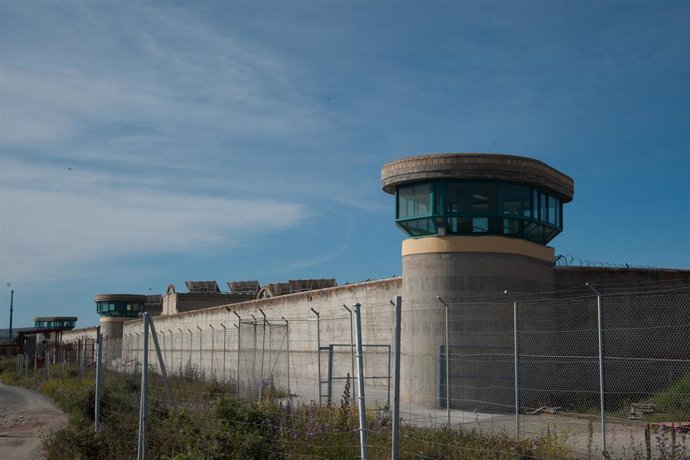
338 367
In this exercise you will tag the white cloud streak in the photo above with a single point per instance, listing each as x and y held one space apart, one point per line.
159 68
70 218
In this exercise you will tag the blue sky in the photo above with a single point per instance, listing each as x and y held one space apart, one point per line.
148 143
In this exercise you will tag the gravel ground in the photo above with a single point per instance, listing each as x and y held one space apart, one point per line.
24 416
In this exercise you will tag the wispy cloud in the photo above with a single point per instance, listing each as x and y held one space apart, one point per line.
123 131
68 218
141 65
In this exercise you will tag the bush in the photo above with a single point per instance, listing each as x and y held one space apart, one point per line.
245 430
675 399
209 424
74 443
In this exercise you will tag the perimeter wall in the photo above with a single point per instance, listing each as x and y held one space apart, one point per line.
227 341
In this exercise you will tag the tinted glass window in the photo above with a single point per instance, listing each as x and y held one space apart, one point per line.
419 227
480 224
414 200
516 200
466 207
511 226
458 197
542 207
553 213
484 197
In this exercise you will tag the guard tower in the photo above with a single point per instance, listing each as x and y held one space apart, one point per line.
115 309
478 224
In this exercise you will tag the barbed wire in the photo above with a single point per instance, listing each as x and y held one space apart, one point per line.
569 260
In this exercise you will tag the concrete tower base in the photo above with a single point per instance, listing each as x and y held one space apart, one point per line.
111 327
111 330
463 269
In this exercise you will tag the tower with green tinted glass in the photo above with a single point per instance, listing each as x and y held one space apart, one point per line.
115 309
477 225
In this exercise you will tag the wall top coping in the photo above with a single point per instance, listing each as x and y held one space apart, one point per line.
261 303
477 166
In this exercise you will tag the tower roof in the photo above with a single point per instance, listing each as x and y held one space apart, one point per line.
477 166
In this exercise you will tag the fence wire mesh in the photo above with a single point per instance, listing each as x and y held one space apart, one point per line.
466 381
646 373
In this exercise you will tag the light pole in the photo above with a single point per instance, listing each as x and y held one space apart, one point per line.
11 309
600 332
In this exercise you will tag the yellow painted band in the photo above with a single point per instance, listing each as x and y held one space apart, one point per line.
489 244
113 319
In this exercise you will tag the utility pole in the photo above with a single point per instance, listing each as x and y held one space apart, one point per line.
11 309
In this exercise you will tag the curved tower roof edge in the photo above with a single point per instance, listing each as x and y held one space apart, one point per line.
476 166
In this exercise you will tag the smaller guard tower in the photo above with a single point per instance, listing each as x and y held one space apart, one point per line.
64 323
478 224
115 309
50 328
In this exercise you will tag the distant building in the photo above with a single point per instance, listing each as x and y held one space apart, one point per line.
204 294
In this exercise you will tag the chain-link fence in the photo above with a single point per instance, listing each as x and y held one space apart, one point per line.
40 355
604 371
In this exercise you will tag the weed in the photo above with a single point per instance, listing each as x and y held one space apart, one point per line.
674 400
210 423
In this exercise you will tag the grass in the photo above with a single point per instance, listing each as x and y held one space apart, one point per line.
674 400
208 422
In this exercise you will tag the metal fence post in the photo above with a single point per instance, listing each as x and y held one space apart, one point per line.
352 349
254 357
82 362
161 362
270 344
162 333
190 348
287 337
447 365
396 380
263 350
515 365
318 349
360 375
225 330
143 402
601 370
171 354
239 349
46 358
329 374
106 349
201 349
97 402
181 348
213 351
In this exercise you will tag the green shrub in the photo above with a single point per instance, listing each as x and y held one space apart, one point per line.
675 399
211 424
76 397
74 443
245 430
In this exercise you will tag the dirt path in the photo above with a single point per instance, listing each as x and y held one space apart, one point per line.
24 416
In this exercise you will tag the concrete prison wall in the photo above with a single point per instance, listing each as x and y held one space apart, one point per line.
283 348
